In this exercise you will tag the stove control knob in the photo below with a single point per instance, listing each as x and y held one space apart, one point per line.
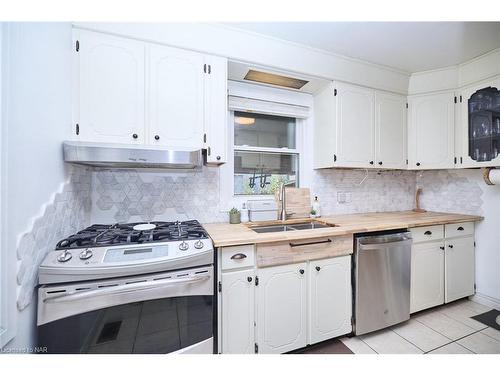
86 254
64 257
198 244
183 246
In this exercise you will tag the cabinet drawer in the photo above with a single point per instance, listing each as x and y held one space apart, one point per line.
459 230
237 257
431 233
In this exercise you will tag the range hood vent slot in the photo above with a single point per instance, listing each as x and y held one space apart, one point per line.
275 79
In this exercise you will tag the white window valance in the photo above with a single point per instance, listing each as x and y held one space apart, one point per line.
242 104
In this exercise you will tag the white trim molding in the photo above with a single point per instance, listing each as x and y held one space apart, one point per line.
486 300
8 310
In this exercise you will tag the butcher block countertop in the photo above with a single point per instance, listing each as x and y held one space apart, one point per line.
241 234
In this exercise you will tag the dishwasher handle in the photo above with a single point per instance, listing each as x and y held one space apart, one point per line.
381 243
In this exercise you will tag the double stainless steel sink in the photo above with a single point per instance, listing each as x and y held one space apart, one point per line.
291 227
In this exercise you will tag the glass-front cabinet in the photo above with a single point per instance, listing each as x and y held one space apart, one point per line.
480 126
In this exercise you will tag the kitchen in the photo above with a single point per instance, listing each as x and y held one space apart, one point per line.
207 199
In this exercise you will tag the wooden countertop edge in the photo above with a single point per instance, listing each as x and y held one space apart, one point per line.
341 230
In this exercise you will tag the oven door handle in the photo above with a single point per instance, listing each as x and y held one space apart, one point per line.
126 288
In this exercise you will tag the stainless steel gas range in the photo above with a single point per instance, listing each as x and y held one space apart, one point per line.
129 288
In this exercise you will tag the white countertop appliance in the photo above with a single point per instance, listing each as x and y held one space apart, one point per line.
129 288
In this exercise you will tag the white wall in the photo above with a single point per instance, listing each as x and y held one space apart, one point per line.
37 117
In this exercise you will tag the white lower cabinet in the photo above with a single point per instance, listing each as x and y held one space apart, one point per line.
281 308
330 299
427 275
459 268
238 296
442 269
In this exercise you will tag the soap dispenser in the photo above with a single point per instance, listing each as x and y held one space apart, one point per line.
316 207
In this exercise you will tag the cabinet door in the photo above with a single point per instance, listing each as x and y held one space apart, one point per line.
111 89
355 126
238 312
330 300
431 131
478 130
216 110
459 268
390 130
176 97
427 275
281 308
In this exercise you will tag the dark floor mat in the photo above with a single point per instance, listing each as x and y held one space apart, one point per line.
490 318
333 346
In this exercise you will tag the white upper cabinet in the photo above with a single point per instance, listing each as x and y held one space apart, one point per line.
281 308
390 130
111 89
478 127
136 92
355 126
216 140
176 97
431 131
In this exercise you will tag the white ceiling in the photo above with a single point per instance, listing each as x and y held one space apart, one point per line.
406 46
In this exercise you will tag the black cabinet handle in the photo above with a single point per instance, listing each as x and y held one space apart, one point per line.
135 136
441 247
450 246
371 162
379 163
418 164
238 256
310 243
428 233
249 279
218 157
460 228
301 271
157 137
318 268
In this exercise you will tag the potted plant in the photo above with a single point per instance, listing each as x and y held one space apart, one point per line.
312 214
234 216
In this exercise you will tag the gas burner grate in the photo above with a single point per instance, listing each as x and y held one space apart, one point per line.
121 234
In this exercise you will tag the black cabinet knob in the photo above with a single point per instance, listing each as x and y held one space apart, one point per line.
157 137
450 246
218 157
418 164
379 163
441 247
460 228
301 271
249 279
371 162
135 136
318 268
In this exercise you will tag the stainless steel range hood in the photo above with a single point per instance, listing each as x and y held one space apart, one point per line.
130 156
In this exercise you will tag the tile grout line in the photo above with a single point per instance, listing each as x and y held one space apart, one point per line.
460 338
415 345
367 344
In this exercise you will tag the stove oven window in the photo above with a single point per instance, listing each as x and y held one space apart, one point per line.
155 326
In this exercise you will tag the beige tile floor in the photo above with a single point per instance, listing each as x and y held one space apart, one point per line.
446 329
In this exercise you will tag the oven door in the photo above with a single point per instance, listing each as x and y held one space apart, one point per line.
156 313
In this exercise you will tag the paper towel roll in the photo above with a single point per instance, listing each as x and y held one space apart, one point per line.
492 176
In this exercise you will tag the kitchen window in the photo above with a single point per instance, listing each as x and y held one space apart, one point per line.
265 152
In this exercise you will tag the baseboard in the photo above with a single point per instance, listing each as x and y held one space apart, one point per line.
486 300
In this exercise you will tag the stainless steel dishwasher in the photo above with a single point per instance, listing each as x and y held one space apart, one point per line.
382 280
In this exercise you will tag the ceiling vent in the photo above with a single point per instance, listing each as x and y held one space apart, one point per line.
275 79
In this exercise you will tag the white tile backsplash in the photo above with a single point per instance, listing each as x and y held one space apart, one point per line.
66 213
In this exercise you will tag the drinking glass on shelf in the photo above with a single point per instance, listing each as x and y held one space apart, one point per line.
497 125
485 156
476 154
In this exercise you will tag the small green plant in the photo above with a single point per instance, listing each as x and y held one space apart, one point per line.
234 210
313 212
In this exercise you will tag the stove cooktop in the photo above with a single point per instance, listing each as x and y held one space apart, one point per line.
99 235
